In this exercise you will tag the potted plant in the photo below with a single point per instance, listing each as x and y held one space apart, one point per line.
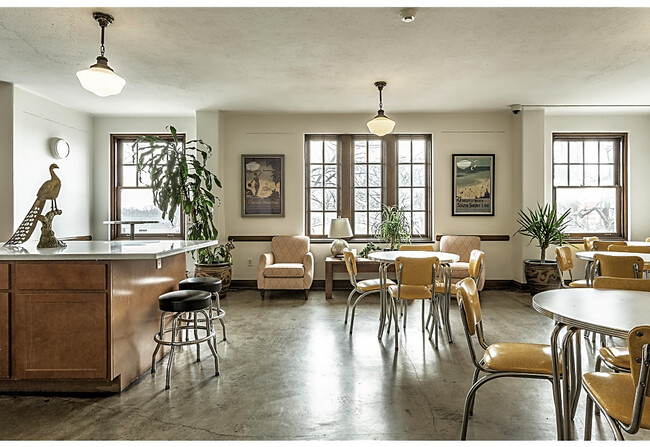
546 227
393 228
180 179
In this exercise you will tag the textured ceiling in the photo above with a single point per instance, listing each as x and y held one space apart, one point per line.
178 60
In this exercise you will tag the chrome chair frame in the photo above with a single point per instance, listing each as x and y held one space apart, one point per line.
480 367
637 409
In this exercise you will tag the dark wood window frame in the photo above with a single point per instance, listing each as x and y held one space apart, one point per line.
620 178
345 174
116 181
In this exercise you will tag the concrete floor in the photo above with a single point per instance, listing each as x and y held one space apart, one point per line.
290 371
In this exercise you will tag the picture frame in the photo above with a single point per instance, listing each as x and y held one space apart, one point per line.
262 185
472 185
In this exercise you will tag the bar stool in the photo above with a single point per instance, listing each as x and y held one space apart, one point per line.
192 302
212 285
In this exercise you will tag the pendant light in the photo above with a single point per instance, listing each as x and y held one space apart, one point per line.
100 79
381 124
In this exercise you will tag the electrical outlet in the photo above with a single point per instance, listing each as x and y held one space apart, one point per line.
250 262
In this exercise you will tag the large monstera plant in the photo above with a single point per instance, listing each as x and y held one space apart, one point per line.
180 179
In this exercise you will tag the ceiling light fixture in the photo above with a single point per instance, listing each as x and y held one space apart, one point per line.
100 79
381 124
407 15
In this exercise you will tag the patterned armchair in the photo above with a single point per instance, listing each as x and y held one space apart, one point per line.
462 246
290 265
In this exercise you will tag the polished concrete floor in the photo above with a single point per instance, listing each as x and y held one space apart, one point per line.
291 371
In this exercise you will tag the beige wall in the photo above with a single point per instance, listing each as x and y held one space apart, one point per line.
6 160
284 134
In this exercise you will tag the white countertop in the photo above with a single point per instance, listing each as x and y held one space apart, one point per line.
101 250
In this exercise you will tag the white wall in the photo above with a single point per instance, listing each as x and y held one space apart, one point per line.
284 134
36 121
103 127
6 160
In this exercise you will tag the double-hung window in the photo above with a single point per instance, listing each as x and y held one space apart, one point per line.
132 197
589 179
354 176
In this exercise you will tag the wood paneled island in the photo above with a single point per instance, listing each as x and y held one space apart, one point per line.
82 318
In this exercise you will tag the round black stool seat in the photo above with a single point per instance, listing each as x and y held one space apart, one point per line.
206 283
184 301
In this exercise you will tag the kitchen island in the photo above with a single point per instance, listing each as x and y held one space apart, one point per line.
82 318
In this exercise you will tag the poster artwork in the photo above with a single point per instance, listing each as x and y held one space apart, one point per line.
473 177
262 185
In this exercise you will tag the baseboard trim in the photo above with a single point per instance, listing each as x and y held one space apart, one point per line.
344 284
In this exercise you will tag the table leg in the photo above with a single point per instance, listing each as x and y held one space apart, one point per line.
567 374
329 274
446 271
382 299
555 353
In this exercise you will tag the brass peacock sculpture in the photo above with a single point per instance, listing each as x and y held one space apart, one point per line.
48 191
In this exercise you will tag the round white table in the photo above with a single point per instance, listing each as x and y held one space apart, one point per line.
386 258
609 312
589 257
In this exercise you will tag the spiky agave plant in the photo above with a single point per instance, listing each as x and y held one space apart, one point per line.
543 225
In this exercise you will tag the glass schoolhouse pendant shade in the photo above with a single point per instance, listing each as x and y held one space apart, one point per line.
100 79
381 125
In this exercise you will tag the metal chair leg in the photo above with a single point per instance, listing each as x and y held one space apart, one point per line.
161 335
347 307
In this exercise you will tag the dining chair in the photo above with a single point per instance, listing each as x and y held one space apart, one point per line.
564 258
415 280
621 397
588 242
598 245
411 247
526 360
647 239
618 266
629 248
614 357
363 288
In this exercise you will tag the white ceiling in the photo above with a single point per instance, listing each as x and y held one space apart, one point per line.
315 60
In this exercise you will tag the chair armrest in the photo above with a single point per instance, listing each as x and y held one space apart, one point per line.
266 259
308 263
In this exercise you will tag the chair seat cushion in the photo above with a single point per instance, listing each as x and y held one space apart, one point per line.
184 300
619 357
371 284
459 269
578 283
410 292
615 393
440 288
519 357
284 270
207 283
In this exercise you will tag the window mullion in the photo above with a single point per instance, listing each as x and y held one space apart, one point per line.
390 170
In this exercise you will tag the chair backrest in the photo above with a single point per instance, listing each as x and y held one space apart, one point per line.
350 262
588 242
604 245
422 247
476 259
416 271
630 248
618 266
469 303
647 239
637 338
460 245
289 248
564 258
610 282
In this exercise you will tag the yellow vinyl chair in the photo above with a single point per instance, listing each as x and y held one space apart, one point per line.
598 245
647 239
422 247
364 287
629 248
564 258
415 279
589 242
499 359
621 397
618 266
617 358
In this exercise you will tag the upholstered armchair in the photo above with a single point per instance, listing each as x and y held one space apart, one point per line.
462 246
289 266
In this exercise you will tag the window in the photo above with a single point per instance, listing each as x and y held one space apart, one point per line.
132 198
589 178
354 175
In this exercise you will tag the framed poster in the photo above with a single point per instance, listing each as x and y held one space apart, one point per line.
262 185
473 185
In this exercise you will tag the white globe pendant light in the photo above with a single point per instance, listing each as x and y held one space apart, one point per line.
381 125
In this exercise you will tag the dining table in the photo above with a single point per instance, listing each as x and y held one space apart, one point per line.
387 258
608 312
